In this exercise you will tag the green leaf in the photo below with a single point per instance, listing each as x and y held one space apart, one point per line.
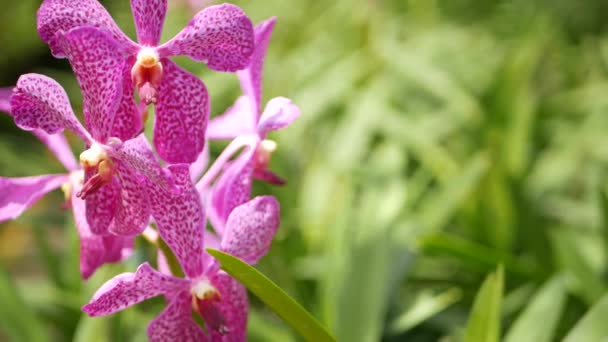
547 307
484 321
592 327
425 307
16 318
279 301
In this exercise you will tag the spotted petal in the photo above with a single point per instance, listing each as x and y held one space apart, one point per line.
251 78
98 66
95 250
18 194
133 208
40 102
175 323
182 113
180 220
278 114
128 289
237 120
220 35
233 307
58 16
138 155
250 228
128 121
101 206
149 17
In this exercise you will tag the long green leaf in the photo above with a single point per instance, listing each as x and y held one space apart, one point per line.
546 307
279 301
592 327
484 322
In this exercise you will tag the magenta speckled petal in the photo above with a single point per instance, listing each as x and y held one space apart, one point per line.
133 208
250 228
180 220
251 78
58 16
278 114
182 113
233 307
138 155
18 194
5 103
175 322
40 102
149 17
128 289
95 250
128 119
98 66
101 206
220 35
233 188
237 120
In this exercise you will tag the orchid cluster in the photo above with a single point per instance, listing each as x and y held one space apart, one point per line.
122 186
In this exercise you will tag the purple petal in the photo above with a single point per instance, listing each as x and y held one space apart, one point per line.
58 16
237 120
279 113
251 78
132 209
95 250
221 36
233 307
175 323
101 206
18 194
250 228
180 220
182 113
5 103
128 289
128 121
200 164
149 16
232 189
40 102
58 145
98 66
138 155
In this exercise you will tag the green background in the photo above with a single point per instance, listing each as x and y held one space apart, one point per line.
438 140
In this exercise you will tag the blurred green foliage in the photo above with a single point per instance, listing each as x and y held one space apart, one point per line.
438 140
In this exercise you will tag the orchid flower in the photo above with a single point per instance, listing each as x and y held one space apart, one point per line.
244 122
116 200
19 194
205 290
221 36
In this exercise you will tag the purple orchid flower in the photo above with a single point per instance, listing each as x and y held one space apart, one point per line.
244 122
19 194
221 36
114 192
206 290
